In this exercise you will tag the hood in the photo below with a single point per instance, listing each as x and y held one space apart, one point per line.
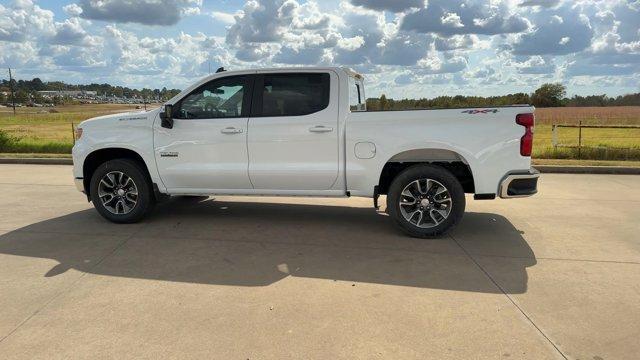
134 116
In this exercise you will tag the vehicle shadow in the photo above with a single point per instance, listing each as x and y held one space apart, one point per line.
259 243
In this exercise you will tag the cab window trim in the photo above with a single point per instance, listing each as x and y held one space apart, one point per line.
246 97
258 86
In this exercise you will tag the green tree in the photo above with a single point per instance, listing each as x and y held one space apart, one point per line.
22 97
549 95
384 104
37 98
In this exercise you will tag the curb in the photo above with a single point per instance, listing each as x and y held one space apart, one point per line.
37 161
545 169
563 169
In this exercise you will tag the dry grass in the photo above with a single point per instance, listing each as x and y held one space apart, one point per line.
42 130
72 110
602 144
618 115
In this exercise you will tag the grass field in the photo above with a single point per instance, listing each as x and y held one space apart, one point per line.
600 144
38 131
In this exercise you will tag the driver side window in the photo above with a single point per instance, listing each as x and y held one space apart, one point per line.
220 98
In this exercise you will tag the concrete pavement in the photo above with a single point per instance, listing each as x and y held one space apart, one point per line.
553 276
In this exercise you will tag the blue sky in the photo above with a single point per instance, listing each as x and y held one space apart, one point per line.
405 48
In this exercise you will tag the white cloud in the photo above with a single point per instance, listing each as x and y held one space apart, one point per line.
72 9
25 21
389 5
535 65
351 44
481 44
147 12
559 31
450 17
541 3
436 64
223 17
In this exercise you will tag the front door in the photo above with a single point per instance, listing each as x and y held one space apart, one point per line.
207 147
293 131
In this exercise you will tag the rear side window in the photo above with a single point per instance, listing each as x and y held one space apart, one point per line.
293 94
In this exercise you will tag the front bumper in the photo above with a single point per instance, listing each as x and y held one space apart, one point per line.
79 184
521 184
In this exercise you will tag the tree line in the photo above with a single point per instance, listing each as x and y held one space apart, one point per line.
547 95
27 90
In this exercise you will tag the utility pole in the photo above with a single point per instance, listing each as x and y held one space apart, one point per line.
13 97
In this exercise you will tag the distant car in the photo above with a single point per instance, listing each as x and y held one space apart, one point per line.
304 132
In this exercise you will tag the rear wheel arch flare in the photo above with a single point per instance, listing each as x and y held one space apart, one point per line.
447 159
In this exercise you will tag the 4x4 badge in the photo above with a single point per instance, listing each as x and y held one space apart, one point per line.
483 111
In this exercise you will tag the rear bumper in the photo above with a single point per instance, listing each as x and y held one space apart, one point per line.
521 184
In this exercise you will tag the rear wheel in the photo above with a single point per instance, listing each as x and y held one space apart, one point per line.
425 201
121 191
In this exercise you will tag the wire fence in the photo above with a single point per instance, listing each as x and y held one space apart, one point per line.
610 141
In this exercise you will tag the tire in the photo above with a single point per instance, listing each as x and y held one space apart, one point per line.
121 206
427 210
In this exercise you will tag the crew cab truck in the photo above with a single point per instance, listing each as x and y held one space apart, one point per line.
304 132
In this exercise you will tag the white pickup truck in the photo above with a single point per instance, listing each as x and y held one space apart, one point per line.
304 132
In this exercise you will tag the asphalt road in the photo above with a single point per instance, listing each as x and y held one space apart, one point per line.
553 276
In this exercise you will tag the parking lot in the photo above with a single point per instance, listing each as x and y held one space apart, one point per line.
553 276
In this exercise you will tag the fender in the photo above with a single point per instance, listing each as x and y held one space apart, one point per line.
466 156
136 136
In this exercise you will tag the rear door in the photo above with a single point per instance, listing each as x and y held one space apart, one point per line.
293 131
207 146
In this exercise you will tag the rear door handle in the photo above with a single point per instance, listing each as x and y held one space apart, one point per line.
231 130
320 129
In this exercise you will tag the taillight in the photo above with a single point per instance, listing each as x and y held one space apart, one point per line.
526 142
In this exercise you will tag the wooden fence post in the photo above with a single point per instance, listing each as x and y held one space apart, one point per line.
580 140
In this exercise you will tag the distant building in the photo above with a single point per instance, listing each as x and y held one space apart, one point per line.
70 93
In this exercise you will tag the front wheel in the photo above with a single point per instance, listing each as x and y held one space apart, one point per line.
121 191
425 201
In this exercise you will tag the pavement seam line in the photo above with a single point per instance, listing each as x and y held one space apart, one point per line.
560 259
31 184
509 297
68 287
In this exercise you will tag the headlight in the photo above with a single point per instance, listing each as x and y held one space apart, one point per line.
78 133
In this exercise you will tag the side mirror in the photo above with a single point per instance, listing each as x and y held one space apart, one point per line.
167 117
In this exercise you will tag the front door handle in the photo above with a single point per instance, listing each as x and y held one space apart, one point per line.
231 130
321 129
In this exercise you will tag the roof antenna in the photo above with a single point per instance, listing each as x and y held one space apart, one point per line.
220 69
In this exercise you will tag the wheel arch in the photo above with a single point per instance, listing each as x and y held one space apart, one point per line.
100 156
451 160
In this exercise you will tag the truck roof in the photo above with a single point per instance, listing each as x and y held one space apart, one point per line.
346 70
